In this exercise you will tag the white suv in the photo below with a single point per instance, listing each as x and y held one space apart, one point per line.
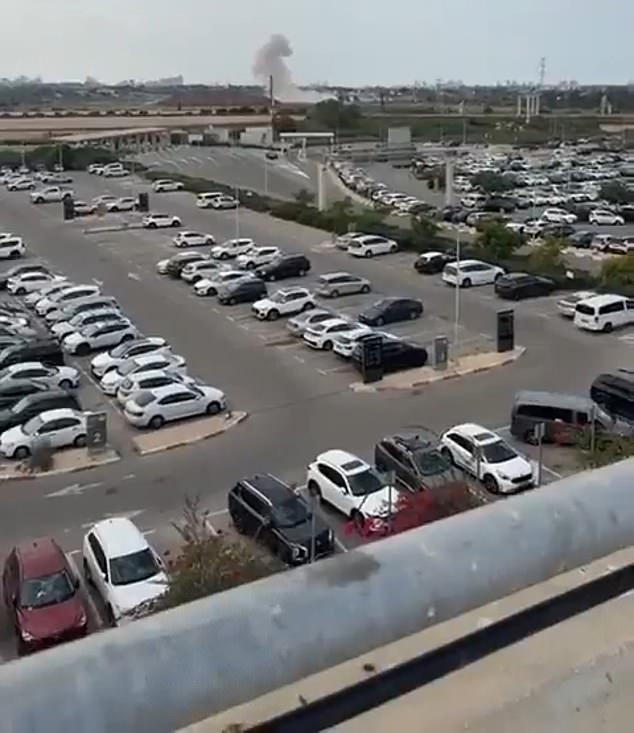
258 256
232 248
285 302
466 273
558 216
11 248
322 335
123 568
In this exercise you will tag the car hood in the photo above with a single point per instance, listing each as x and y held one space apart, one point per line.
61 327
112 377
130 596
264 303
12 435
102 360
514 468
371 314
74 337
300 534
377 504
49 621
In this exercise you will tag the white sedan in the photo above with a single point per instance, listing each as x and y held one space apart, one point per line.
232 248
30 282
208 286
144 381
193 239
55 377
195 271
483 454
60 428
152 409
102 363
284 302
371 245
21 184
466 273
168 363
81 320
321 336
99 336
566 306
225 202
160 221
604 216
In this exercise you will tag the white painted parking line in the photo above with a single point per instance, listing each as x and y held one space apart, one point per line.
90 601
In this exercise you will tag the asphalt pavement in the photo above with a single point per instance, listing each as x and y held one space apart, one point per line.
299 403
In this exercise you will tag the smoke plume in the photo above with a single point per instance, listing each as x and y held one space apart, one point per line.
270 61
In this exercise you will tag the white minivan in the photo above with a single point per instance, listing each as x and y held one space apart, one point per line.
604 313
205 200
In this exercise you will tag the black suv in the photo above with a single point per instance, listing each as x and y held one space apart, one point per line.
15 389
288 265
176 264
395 356
48 351
518 285
34 404
391 310
416 461
265 508
242 291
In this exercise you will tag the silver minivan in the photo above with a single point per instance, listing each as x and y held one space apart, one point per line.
334 284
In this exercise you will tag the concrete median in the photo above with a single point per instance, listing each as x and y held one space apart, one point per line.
66 461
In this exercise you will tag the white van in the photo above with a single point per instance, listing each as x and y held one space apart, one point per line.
204 200
604 313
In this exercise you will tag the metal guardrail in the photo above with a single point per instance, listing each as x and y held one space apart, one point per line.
164 672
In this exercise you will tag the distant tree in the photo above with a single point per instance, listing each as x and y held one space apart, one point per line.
493 182
547 258
424 228
619 273
496 241
284 123
335 115
616 193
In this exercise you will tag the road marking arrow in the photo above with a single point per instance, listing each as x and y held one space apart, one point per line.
73 490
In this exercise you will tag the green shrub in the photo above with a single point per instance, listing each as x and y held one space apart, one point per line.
496 241
617 274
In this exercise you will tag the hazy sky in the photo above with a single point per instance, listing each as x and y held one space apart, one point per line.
339 41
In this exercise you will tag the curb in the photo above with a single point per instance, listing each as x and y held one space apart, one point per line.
113 228
231 422
58 471
442 377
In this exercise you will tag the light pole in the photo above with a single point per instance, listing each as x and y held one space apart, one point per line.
266 176
60 157
456 323
237 198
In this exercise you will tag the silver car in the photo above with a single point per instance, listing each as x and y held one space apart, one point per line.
302 321
334 284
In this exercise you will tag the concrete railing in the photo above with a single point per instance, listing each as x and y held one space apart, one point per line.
180 666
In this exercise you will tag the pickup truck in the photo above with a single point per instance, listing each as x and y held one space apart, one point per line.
51 194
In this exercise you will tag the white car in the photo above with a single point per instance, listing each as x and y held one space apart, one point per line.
209 286
193 239
17 325
195 271
61 377
466 273
104 199
21 184
258 256
52 194
33 298
350 485
123 568
322 335
232 248
115 172
161 266
225 202
558 216
298 324
12 247
284 302
70 301
603 216
371 245
483 454
64 297
102 363
81 320
165 184
344 344
152 409
160 221
144 381
566 306
168 363
126 203
60 428
204 200
30 282
99 336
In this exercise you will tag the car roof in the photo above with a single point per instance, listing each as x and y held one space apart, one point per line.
120 536
342 460
150 374
26 365
562 399
479 434
273 488
167 389
605 299
59 414
287 291
331 275
42 556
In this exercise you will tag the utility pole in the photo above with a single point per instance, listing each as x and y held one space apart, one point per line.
272 107
237 198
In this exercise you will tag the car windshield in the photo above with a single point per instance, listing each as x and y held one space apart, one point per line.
133 568
497 452
290 513
33 425
144 398
120 350
47 590
365 482
126 368
431 462
278 297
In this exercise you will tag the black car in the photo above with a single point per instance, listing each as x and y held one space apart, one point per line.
432 263
581 240
391 310
288 265
395 355
15 389
267 509
518 285
499 203
615 392
34 404
242 291
48 351
559 231
416 460
176 264
20 270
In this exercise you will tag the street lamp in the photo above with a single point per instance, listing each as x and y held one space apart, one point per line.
237 198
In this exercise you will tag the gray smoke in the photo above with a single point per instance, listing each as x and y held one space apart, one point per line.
269 61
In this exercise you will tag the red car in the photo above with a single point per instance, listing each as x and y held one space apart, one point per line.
42 596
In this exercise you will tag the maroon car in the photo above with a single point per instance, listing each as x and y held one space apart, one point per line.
42 596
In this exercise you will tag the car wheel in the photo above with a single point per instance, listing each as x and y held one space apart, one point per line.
175 224
80 441
273 315
250 265
335 293
83 350
302 273
308 306
357 519
21 453
529 437
110 619
65 384
314 490
490 484
213 408
413 315
224 256
156 422
369 253
20 291
231 301
210 242
327 345
608 328
498 276
380 322
114 209
152 225
393 248
14 255
365 289
448 455
466 283
87 573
